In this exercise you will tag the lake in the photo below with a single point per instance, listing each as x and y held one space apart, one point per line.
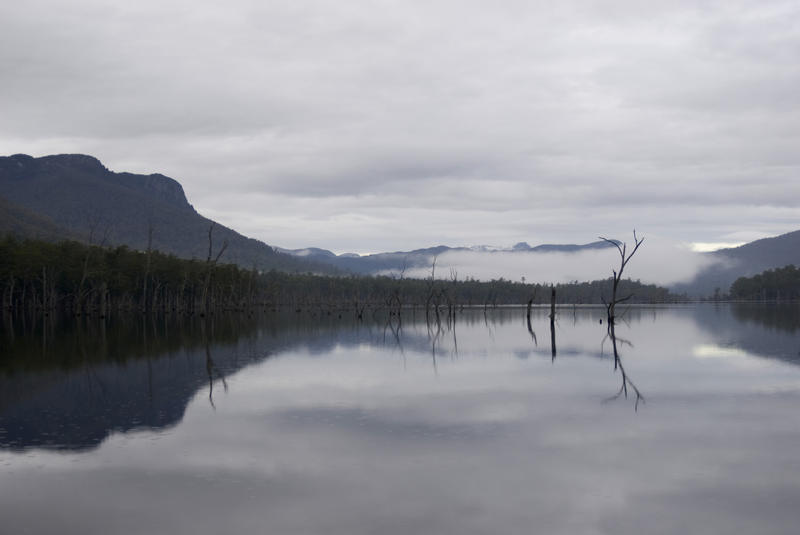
314 422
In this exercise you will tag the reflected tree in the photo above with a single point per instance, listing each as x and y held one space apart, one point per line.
627 383
553 323
211 367
528 318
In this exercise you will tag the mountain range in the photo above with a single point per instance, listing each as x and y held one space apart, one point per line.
74 196
399 261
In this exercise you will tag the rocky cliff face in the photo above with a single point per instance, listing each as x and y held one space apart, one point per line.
166 188
65 169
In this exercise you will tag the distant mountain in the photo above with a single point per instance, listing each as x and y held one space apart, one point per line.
560 248
23 223
73 196
743 261
397 261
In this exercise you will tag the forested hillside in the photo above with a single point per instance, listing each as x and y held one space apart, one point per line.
75 197
744 261
780 284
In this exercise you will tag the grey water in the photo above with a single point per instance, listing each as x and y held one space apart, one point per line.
315 422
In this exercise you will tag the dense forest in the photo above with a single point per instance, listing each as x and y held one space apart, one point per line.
87 279
780 284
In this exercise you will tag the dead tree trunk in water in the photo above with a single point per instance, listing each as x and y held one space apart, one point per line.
430 290
553 322
625 257
210 265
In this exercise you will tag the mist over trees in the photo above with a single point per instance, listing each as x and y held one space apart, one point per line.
90 279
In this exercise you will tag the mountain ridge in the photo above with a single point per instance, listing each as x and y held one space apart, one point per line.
86 200
398 261
76 197
745 260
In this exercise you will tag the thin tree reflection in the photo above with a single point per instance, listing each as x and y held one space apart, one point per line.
451 323
211 368
528 317
626 380
396 333
434 337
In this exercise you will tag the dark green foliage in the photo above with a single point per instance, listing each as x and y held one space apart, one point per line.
287 288
781 284
86 278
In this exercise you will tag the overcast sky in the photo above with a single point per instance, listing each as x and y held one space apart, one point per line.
380 125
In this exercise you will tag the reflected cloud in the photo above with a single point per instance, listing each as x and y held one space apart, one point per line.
329 427
711 351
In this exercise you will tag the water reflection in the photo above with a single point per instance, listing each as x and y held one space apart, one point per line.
764 330
627 382
340 426
783 317
69 384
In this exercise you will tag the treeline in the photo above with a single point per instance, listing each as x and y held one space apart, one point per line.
286 288
85 279
780 284
89 279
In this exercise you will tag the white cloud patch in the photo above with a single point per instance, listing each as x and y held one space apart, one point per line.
658 261
705 247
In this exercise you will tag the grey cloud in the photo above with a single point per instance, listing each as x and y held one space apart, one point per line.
526 114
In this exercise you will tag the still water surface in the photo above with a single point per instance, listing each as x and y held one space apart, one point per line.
301 424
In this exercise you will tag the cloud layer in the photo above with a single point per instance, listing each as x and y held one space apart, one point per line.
658 261
380 125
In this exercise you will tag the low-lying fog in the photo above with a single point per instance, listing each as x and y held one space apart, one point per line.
657 261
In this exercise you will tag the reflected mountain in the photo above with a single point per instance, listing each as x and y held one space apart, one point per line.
69 383
764 330
783 317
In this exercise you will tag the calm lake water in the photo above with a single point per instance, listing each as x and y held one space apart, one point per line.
315 424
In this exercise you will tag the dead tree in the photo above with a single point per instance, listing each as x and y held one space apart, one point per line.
148 257
81 291
396 298
451 308
625 257
553 322
210 265
431 290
